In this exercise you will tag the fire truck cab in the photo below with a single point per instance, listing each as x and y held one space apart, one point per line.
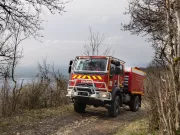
103 81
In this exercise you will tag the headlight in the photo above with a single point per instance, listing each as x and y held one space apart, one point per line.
69 92
104 95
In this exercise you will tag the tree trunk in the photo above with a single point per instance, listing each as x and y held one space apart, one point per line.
178 23
177 13
178 34
174 68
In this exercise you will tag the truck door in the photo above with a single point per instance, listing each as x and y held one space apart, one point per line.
113 78
116 80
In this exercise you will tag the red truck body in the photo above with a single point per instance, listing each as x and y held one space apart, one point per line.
134 80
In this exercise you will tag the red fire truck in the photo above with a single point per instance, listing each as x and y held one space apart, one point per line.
104 81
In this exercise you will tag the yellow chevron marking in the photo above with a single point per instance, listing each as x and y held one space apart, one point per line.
84 77
79 77
99 77
74 76
89 77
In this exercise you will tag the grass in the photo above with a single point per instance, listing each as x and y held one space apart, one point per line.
138 127
29 117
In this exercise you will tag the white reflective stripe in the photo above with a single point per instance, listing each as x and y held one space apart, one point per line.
138 72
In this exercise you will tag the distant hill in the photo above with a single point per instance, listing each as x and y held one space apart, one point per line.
29 72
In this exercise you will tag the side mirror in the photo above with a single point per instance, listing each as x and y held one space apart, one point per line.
71 62
117 63
117 71
69 70
70 66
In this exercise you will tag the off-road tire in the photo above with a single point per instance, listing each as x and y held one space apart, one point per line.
134 103
79 107
114 108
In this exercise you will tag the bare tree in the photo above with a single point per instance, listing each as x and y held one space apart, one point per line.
148 17
95 43
159 19
6 51
20 19
17 38
160 98
12 56
4 96
44 71
26 14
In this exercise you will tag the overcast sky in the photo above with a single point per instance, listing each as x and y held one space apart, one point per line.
66 34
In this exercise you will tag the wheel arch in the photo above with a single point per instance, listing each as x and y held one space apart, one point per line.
117 91
133 96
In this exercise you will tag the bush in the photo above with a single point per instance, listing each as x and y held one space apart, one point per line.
49 90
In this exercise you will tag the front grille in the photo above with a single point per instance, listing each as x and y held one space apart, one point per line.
85 84
83 94
85 89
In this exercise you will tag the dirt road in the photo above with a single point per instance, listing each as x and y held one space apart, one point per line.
94 122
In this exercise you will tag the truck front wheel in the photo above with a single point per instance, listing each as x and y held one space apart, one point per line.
79 107
114 108
134 103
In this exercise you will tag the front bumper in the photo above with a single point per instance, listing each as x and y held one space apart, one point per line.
89 92
98 95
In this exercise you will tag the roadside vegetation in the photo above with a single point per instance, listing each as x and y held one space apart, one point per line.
31 117
138 127
49 90
160 21
43 98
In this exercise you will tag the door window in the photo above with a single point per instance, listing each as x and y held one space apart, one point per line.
112 69
121 69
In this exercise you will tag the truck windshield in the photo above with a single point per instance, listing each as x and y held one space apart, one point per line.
94 64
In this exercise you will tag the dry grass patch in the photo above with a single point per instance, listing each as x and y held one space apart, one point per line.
138 127
33 116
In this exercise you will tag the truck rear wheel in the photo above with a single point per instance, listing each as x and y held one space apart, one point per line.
79 107
114 109
134 103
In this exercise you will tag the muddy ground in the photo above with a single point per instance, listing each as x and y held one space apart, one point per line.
94 122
